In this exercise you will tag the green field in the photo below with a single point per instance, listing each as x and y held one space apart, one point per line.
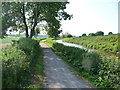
107 44
8 39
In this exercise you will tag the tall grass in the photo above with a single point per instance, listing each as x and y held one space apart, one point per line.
108 44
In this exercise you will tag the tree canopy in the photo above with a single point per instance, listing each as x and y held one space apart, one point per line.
91 34
110 33
84 34
27 15
99 33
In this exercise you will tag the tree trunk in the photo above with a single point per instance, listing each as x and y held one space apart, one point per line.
32 30
26 27
27 35
31 33
36 14
24 21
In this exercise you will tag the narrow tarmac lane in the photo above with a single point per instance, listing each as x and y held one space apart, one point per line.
58 74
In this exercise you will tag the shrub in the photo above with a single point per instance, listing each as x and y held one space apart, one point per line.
27 44
109 71
14 63
30 47
20 63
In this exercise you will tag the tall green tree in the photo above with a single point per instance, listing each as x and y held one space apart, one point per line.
110 33
84 34
27 15
99 33
91 34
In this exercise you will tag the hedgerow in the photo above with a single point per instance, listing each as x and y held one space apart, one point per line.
103 71
21 62
14 64
30 47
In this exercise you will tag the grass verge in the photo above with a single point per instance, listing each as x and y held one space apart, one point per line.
108 44
37 80
8 39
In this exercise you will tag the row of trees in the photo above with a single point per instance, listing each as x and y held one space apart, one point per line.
98 33
27 16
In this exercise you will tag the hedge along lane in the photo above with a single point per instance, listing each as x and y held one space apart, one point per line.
101 70
22 64
58 74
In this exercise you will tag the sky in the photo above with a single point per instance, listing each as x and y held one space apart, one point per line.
90 16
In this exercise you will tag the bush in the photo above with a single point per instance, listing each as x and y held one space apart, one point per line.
20 63
109 71
14 63
30 47
27 45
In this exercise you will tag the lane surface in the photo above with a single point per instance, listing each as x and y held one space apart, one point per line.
58 74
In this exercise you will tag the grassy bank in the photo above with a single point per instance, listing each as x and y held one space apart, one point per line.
22 65
102 71
108 44
8 39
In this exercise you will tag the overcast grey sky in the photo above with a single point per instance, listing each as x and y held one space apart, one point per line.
90 16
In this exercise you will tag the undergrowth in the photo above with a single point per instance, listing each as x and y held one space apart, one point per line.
22 64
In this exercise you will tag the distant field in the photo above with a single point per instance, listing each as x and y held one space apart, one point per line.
105 43
8 39
23 35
